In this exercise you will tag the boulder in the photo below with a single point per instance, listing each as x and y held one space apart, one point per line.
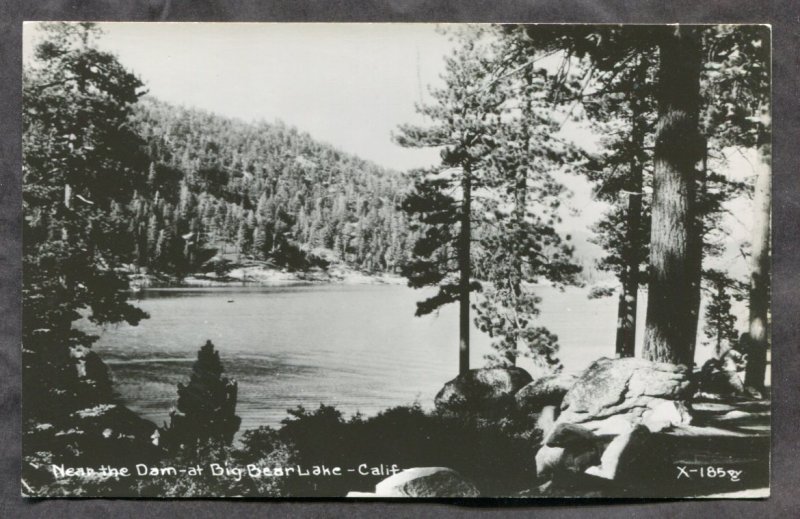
569 435
721 377
561 463
426 482
611 426
482 390
627 387
625 456
543 392
548 462
546 419
567 450
666 414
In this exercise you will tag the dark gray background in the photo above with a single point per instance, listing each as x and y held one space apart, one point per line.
785 19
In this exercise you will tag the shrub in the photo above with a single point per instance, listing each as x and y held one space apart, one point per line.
498 458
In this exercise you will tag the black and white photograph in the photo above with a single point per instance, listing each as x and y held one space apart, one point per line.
396 260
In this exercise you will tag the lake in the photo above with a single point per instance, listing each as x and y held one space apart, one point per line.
358 347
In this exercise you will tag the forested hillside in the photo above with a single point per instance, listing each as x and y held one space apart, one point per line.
257 191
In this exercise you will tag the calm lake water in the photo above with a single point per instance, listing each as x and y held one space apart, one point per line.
359 348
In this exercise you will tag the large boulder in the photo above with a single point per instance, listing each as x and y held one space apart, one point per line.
625 457
426 482
567 450
628 388
482 390
543 392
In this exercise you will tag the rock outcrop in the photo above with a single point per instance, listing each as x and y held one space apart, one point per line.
423 482
613 393
544 392
487 390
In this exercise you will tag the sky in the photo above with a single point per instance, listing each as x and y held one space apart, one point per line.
349 85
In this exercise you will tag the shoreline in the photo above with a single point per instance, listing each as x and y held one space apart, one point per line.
258 276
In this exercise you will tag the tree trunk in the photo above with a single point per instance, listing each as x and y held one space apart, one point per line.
695 254
68 208
520 201
720 296
628 298
674 270
464 268
520 209
760 274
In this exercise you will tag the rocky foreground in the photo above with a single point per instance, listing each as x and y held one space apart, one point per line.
623 428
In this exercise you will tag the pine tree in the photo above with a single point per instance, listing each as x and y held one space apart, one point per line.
259 242
734 85
163 255
675 244
720 323
206 409
463 119
738 78
519 243
242 240
152 239
623 111
81 162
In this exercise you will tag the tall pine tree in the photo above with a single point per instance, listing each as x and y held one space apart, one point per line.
738 75
675 245
519 241
81 164
464 119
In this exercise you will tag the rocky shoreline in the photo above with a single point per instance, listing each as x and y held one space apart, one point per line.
257 275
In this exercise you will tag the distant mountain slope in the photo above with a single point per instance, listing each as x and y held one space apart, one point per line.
260 191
